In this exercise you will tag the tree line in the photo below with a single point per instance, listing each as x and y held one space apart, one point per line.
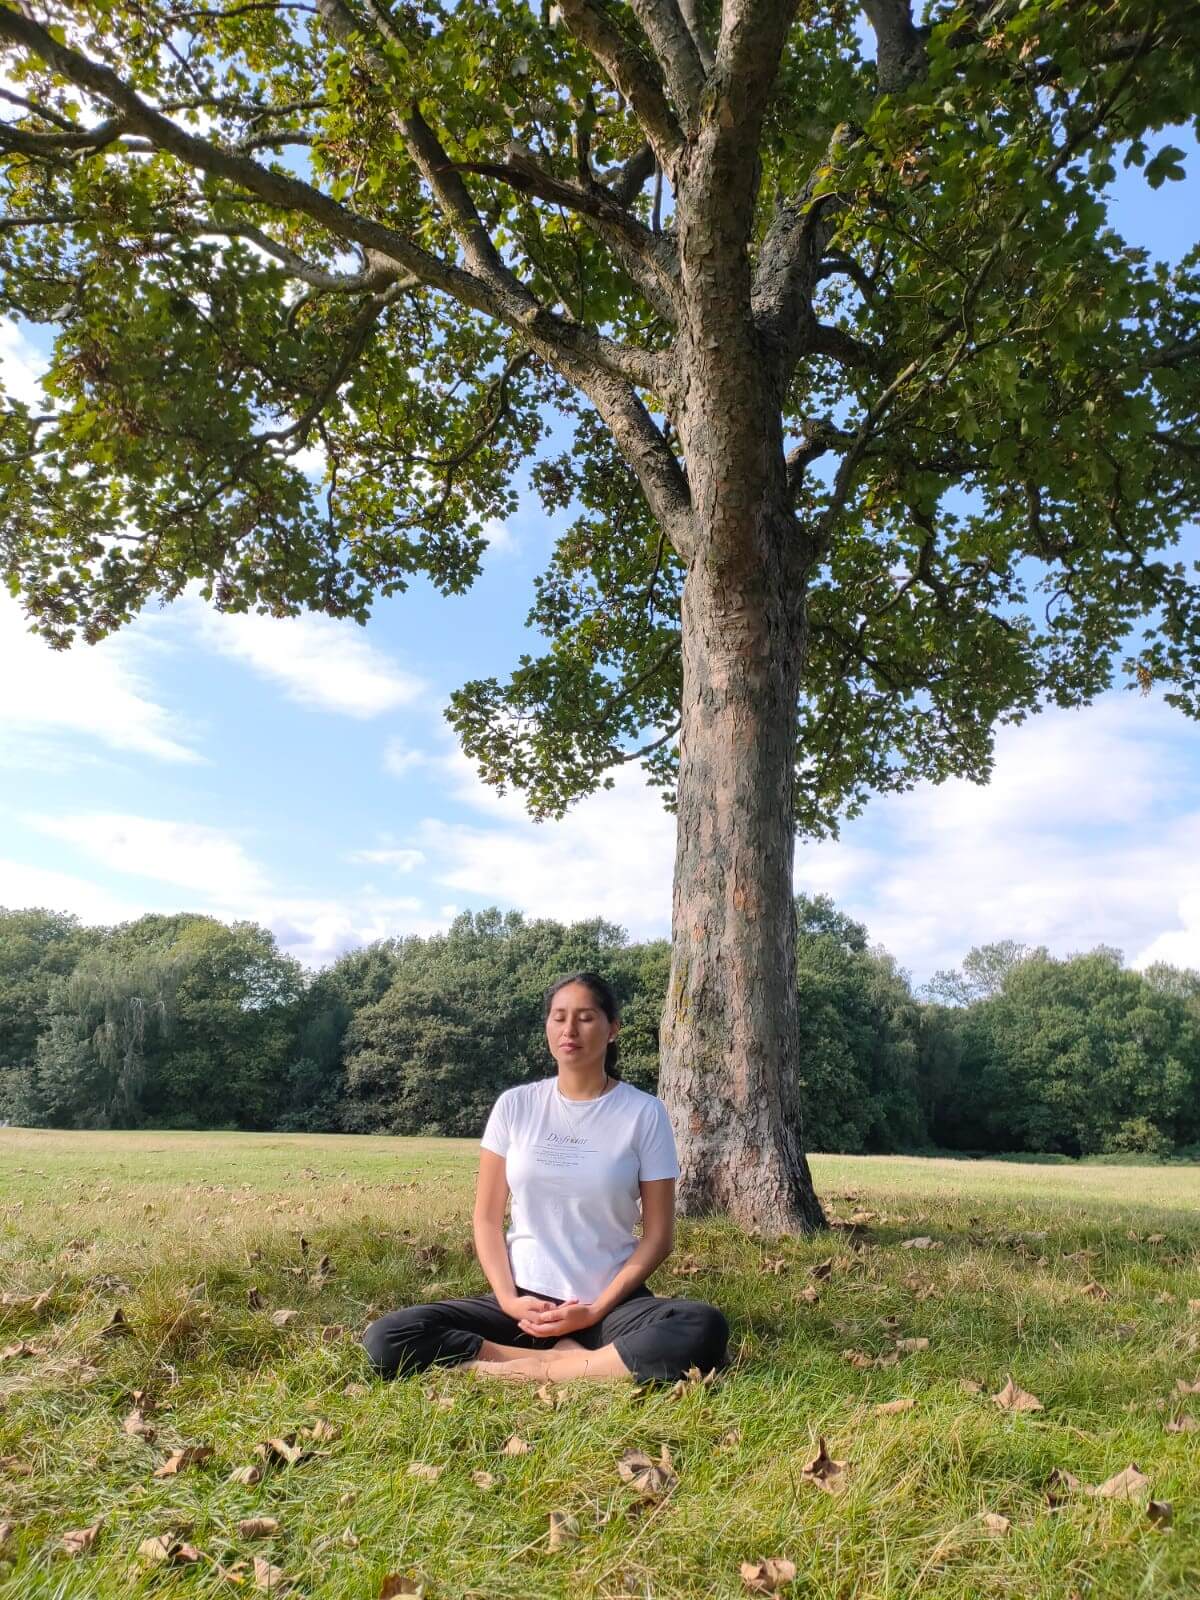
187 1022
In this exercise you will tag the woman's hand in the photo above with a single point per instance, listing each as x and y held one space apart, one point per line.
556 1321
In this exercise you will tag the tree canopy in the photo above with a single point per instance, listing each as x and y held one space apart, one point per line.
410 236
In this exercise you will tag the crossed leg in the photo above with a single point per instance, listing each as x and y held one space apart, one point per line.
568 1359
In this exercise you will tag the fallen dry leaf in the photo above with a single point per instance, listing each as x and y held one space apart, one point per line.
922 1242
550 1396
247 1475
1059 1485
482 1480
167 1549
765 1577
20 1351
321 1431
118 1328
283 1317
907 1346
1184 1423
1184 1387
860 1358
7 1529
1011 1398
14 1467
970 1385
282 1452
823 1269
1127 1484
255 1299
564 1529
994 1523
258 1527
645 1476
354 1391
1095 1291
422 1469
80 1540
271 1580
137 1427
1161 1513
350 1539
189 1455
516 1446
397 1584
811 1293
774 1265
729 1439
824 1471
891 1408
334 1332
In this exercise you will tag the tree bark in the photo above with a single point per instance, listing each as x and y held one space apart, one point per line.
729 1040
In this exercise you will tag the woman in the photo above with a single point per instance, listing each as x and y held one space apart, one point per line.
569 1297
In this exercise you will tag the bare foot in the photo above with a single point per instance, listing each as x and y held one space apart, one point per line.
524 1368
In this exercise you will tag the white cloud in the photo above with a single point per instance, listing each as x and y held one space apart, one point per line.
401 860
187 854
500 537
313 460
320 662
1089 833
220 878
94 691
21 366
611 856
22 885
317 931
399 759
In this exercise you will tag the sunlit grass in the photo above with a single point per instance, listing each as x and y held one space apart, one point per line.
176 1229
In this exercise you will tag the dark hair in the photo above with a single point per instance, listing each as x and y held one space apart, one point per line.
605 999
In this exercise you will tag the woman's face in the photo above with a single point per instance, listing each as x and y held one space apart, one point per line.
577 1030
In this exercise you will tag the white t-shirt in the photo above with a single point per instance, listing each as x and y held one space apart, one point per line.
573 1168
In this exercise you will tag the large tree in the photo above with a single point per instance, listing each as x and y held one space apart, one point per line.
882 434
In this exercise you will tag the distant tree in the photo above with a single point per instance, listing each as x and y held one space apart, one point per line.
983 972
1079 1056
462 1020
36 948
104 1022
859 1037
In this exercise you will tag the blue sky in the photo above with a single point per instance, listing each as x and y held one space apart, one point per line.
299 772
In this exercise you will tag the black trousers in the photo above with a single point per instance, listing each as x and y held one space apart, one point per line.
655 1338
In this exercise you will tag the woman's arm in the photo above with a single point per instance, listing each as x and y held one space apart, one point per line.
491 1196
653 1248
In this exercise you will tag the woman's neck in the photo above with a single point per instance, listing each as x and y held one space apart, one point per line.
582 1083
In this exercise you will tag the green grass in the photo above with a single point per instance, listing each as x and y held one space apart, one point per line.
190 1222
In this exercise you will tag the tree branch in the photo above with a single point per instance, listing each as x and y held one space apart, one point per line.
676 52
691 15
604 370
899 46
630 75
650 259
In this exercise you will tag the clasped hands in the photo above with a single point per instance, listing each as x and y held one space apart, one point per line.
544 1320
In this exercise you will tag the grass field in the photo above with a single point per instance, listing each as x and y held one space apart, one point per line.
1075 1282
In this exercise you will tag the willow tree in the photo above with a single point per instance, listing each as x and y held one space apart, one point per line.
881 434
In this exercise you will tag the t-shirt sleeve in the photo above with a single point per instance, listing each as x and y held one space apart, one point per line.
657 1156
498 1133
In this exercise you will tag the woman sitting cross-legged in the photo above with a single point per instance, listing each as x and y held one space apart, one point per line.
576 1152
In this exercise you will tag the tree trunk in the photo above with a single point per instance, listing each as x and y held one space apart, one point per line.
729 1042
